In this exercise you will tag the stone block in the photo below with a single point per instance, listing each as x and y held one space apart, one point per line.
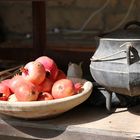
66 3
89 3
17 17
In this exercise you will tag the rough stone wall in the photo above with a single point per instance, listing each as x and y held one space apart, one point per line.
16 16
71 14
104 14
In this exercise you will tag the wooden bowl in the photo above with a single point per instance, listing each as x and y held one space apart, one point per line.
46 109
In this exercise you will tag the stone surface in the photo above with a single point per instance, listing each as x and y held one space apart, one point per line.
82 122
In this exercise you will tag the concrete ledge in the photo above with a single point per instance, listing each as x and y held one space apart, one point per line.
83 122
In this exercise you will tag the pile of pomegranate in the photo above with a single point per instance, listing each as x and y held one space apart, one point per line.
38 80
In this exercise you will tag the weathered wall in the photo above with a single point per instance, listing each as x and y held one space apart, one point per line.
71 14
16 16
103 15
107 14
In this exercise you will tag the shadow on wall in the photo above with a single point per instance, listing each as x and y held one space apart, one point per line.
2 31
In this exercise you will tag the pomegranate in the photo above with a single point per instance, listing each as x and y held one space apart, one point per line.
34 72
45 96
50 66
15 82
46 85
3 98
26 92
78 87
4 90
61 75
63 88
7 82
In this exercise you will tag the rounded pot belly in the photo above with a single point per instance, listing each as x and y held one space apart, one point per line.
117 77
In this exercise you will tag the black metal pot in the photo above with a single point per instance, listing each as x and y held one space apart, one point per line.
116 62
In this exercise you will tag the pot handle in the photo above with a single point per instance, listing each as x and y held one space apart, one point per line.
128 46
105 58
137 23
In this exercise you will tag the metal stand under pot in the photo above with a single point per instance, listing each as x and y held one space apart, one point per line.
111 100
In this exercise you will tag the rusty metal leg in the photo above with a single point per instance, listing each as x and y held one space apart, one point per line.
108 100
108 97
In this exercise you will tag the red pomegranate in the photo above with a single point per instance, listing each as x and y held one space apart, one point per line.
4 90
45 96
61 75
46 85
50 66
26 92
34 72
63 88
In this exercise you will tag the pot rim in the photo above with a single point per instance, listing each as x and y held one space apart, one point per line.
121 39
